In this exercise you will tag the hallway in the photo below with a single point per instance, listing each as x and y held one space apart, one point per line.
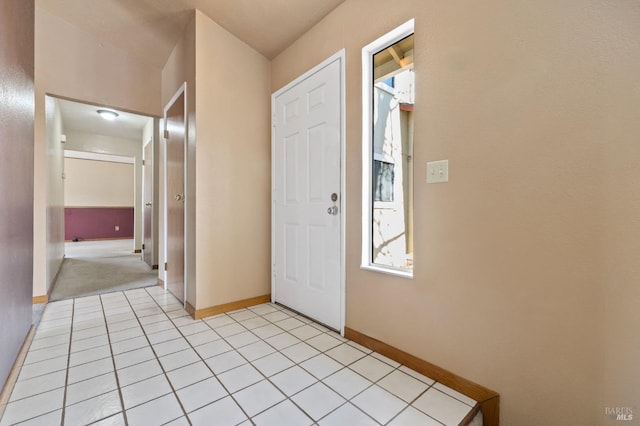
95 267
137 358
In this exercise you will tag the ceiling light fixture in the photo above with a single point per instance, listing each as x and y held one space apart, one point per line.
108 114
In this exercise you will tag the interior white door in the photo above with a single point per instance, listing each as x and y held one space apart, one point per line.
307 182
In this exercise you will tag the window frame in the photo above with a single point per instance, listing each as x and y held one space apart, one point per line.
392 37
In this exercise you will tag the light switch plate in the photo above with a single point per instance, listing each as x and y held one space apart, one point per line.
438 171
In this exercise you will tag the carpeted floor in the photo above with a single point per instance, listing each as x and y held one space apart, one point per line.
97 267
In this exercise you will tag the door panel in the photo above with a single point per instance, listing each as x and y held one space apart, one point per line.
307 237
147 237
175 125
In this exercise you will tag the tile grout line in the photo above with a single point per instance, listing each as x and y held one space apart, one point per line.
66 378
85 363
416 408
321 352
229 394
6 405
248 362
375 383
295 364
155 299
251 364
144 332
113 362
348 400
237 349
343 367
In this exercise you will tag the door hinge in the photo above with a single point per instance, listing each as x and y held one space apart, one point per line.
143 247
166 134
166 267
143 162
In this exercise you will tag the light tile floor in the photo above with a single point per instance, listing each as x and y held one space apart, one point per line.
137 358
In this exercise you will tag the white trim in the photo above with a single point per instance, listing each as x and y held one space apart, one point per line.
343 195
338 56
182 89
165 231
147 162
374 267
368 51
85 155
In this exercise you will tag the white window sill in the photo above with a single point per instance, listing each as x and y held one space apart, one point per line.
389 271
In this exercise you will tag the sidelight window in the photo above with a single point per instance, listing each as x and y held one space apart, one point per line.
388 108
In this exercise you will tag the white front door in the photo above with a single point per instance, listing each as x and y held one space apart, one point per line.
307 224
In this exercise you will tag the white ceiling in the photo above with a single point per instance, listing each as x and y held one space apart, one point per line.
85 118
150 29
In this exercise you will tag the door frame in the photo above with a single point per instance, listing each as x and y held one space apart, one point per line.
149 162
339 56
181 90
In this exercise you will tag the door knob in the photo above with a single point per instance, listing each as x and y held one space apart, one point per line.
148 204
333 210
179 197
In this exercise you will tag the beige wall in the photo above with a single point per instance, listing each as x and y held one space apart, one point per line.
101 144
55 190
78 65
525 262
16 178
48 237
181 65
150 135
91 183
74 64
232 168
228 233
618 135
181 68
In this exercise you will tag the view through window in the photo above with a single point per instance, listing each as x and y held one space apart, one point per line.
392 156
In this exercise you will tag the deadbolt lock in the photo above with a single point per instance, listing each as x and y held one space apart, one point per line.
334 197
